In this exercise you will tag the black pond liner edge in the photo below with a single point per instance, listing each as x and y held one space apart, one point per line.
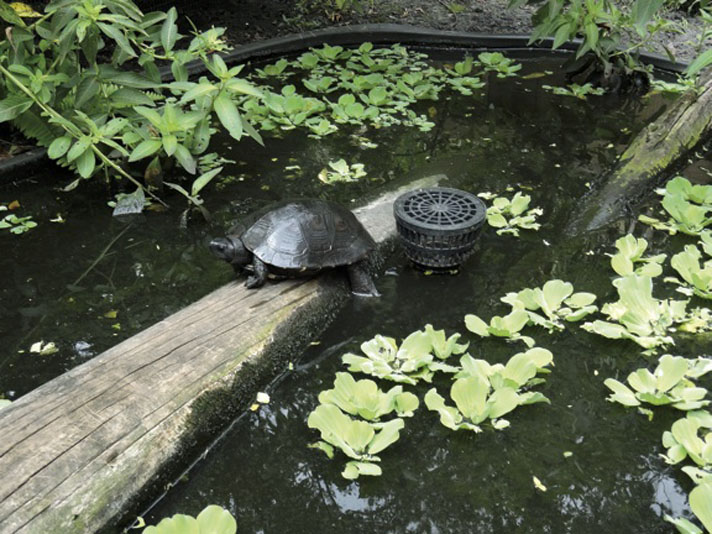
348 35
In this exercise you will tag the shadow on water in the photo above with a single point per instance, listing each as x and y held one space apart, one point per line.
92 281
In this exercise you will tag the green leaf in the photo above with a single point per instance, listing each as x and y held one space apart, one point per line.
699 63
145 149
169 30
59 147
86 163
127 96
185 158
201 181
621 393
78 148
216 520
179 523
12 106
117 35
701 504
229 115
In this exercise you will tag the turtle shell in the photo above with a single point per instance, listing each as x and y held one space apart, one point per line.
308 235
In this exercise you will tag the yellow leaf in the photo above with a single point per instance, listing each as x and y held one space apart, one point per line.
538 485
111 314
24 10
255 407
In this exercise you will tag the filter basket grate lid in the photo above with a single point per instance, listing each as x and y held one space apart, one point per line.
440 208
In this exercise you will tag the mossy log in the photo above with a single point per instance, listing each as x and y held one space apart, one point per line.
657 148
79 449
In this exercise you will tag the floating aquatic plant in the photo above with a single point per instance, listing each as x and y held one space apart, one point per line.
696 278
364 399
642 318
630 252
509 216
669 384
359 440
340 171
556 300
687 205
212 520
482 391
508 326
575 90
683 440
385 359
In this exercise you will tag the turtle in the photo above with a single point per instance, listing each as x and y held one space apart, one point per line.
299 238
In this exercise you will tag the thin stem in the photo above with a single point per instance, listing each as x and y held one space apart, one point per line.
74 131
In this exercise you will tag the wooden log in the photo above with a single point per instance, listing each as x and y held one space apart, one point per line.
79 449
657 148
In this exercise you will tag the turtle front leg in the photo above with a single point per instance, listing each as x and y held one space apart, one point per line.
361 282
259 274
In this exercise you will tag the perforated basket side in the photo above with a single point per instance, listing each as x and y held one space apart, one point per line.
439 227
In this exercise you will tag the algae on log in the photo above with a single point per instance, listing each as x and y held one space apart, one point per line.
658 147
77 450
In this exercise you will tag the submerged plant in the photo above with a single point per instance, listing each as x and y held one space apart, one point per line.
630 252
482 391
359 440
364 399
340 171
212 520
669 384
509 216
508 326
556 300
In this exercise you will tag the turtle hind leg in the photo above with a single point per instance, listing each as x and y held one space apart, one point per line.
361 282
259 274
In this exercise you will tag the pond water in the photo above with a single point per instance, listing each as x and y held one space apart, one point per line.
92 281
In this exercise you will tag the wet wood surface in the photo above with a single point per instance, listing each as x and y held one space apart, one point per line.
655 150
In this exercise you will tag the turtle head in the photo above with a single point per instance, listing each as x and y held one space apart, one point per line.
231 250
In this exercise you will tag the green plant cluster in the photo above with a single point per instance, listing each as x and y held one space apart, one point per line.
509 216
612 34
349 416
212 520
555 302
371 86
14 224
687 206
83 79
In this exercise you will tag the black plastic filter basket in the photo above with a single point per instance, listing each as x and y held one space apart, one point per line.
438 226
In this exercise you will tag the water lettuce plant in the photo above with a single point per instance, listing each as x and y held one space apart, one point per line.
364 399
482 391
368 86
696 278
359 440
575 90
630 252
642 318
508 326
669 384
17 225
340 171
683 440
508 216
212 520
556 300
687 205
385 359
